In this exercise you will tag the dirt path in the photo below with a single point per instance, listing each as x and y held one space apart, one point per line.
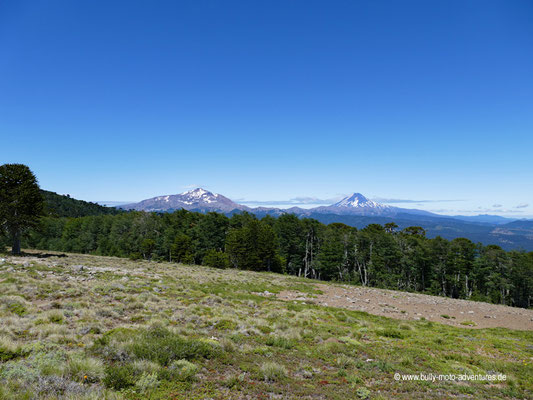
412 306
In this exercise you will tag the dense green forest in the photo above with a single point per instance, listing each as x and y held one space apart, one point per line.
378 256
57 205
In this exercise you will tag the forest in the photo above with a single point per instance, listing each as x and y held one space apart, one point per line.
57 205
378 255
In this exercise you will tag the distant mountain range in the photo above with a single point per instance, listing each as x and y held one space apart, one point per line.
202 200
195 200
359 211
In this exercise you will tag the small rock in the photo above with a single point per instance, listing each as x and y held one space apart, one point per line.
470 312
78 268
157 290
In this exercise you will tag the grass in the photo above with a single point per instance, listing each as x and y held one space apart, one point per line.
121 329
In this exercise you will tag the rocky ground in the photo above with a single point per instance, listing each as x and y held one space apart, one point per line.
414 306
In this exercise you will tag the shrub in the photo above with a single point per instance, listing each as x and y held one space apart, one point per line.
280 341
163 346
55 317
362 393
272 371
183 370
147 382
391 333
17 308
15 304
9 349
86 370
226 324
119 377
343 361
50 361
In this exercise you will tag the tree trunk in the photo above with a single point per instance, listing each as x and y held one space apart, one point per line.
15 250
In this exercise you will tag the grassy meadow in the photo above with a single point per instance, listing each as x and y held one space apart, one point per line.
88 327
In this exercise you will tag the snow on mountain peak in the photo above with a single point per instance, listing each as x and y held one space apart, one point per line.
200 194
357 200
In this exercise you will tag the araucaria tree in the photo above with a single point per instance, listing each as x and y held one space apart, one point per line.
21 202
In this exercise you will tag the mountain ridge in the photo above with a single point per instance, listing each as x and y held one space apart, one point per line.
359 211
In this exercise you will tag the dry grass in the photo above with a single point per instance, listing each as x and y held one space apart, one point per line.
115 328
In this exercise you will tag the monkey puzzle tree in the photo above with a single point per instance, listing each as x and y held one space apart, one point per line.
21 202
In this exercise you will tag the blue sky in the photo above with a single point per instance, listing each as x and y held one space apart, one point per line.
425 102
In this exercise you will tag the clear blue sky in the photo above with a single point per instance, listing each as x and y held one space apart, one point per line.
273 100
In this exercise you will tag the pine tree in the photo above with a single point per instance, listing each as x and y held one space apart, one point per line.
21 202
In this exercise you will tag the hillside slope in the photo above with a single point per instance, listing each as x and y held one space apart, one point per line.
105 327
58 205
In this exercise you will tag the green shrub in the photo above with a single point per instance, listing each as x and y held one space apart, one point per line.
119 377
147 382
15 304
179 370
362 393
226 324
272 371
9 349
86 370
280 341
163 346
56 317
391 333
17 308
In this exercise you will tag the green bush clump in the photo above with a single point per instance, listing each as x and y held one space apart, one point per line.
119 376
163 346
280 341
10 350
272 371
391 333
147 382
179 370
85 369
56 317
226 324
17 308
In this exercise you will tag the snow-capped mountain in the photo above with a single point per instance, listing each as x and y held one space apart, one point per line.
357 200
358 204
204 201
198 199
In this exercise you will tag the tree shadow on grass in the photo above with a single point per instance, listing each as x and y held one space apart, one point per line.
33 254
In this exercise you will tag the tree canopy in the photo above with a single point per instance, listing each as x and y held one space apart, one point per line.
378 256
21 202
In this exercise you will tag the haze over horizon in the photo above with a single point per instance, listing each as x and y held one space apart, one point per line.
311 202
415 104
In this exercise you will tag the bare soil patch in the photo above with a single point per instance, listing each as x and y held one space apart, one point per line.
414 306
